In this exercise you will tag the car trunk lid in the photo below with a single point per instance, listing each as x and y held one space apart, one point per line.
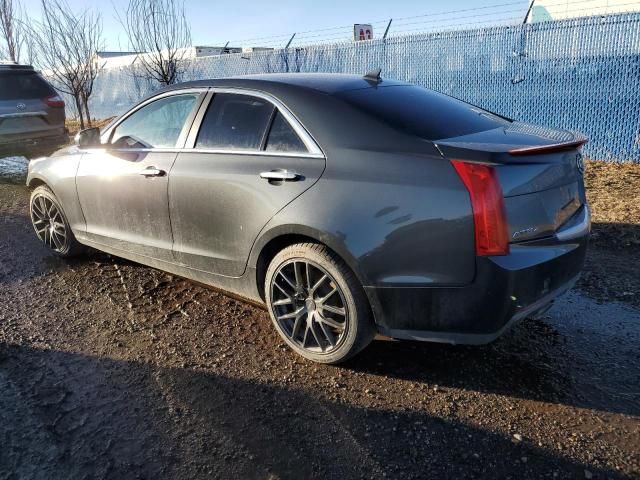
540 172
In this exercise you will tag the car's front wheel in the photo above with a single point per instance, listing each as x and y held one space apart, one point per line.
317 304
50 223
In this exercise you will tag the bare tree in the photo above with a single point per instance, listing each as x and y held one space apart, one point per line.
11 31
159 31
66 46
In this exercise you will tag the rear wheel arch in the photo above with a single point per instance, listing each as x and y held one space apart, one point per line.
282 237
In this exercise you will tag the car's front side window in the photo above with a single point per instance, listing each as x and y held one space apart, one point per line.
234 122
156 125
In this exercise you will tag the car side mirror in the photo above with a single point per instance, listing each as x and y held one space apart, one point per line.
88 138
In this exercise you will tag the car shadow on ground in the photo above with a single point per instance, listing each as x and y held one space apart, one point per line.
68 415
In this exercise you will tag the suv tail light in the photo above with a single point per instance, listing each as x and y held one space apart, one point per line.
54 101
487 203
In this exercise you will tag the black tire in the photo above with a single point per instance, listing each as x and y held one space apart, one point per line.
301 278
57 235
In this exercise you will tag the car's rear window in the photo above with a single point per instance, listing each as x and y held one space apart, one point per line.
23 85
422 112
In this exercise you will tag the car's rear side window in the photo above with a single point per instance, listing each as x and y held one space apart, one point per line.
235 122
422 112
23 85
283 138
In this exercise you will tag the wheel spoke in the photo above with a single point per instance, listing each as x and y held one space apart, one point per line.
330 321
284 301
296 326
298 274
328 335
293 314
318 283
288 295
315 335
332 309
37 209
307 268
56 240
326 297
286 279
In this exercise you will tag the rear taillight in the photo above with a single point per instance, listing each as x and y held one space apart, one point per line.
487 203
54 101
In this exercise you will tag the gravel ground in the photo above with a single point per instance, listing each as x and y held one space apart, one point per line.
109 369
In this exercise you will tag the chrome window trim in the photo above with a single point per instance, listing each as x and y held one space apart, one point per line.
314 150
211 150
105 137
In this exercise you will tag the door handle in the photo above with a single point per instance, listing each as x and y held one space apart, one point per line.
281 175
152 172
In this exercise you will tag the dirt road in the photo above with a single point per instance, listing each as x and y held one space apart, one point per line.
109 369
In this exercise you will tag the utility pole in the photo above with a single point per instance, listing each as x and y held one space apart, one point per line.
528 11
290 40
384 37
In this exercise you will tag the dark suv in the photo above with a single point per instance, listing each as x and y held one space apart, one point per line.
31 113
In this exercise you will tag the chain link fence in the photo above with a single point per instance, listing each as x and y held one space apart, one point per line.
580 74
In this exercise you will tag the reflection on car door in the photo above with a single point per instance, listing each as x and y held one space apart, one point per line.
122 188
247 163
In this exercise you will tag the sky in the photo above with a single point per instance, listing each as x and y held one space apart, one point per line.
215 22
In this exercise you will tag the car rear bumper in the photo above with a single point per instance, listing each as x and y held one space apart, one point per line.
506 289
28 145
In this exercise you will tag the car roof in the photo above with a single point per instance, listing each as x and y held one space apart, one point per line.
11 66
323 82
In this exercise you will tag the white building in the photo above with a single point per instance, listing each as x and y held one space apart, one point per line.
547 10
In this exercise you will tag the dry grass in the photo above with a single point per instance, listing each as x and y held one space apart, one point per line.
73 124
613 191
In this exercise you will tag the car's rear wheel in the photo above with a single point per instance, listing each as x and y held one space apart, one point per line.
317 304
50 223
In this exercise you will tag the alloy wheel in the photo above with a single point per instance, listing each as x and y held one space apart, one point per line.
49 223
309 306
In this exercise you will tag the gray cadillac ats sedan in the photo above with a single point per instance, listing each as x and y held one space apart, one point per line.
348 205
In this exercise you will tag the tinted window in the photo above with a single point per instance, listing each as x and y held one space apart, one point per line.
282 137
234 122
422 112
157 124
16 86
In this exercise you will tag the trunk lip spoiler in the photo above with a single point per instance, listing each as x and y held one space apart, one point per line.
554 147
